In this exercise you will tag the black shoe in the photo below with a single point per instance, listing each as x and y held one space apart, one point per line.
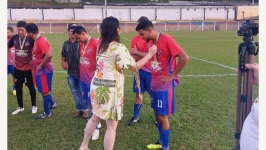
42 116
133 120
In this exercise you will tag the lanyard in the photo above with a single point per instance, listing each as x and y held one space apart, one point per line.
157 38
22 44
154 63
85 47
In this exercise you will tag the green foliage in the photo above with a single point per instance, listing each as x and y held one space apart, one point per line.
102 96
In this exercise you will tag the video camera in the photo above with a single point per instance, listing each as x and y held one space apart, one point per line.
248 29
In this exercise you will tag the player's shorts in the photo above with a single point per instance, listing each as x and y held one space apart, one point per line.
85 90
10 69
163 102
145 82
44 82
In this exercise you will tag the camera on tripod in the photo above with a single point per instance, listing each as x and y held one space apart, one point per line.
248 29
246 53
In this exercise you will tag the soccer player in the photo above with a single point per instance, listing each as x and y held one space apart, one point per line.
163 78
70 62
10 67
139 49
88 47
23 65
43 68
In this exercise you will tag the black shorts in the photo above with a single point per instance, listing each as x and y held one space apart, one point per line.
24 76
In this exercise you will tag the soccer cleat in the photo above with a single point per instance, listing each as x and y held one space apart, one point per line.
34 109
99 125
18 110
96 134
14 92
42 116
133 120
53 107
156 145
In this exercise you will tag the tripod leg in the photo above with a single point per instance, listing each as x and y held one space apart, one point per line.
250 85
238 106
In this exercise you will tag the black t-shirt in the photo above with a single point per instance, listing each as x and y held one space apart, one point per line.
23 51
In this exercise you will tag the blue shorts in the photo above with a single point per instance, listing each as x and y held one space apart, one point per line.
44 82
85 90
163 102
10 69
145 82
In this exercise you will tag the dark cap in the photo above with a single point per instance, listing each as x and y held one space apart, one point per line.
71 26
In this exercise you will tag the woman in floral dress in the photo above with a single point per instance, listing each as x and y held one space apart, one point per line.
107 86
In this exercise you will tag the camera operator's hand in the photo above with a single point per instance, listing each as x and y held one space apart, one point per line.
255 68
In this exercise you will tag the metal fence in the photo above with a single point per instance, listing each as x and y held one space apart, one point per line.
130 27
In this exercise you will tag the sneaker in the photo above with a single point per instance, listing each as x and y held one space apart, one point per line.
95 135
14 92
53 107
42 116
18 110
156 145
133 120
34 109
99 125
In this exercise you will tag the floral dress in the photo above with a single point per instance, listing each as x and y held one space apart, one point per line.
107 86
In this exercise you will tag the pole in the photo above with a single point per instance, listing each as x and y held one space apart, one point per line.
105 8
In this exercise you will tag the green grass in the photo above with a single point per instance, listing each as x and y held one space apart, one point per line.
205 105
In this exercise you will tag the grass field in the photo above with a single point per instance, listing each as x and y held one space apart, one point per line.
205 103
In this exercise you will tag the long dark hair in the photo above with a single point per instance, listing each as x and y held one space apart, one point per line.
108 33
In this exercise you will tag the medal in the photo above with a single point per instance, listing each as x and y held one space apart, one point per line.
136 74
81 60
21 52
154 64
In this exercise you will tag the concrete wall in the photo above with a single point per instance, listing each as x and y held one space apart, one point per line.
58 14
193 14
126 13
172 14
218 13
120 14
88 14
26 14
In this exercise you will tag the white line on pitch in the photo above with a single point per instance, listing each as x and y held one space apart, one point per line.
189 75
232 68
